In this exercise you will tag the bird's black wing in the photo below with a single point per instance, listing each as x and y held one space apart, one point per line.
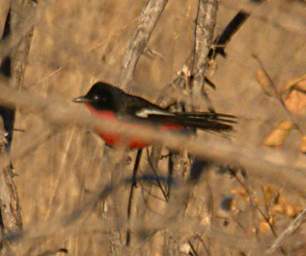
139 107
209 116
199 120
143 110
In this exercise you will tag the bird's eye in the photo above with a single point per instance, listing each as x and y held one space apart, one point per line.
96 97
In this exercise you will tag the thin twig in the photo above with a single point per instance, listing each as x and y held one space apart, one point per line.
69 220
194 251
277 95
255 205
293 226
152 160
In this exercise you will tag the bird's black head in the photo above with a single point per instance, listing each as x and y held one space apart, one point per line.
101 96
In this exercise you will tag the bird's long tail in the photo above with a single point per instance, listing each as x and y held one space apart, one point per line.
201 120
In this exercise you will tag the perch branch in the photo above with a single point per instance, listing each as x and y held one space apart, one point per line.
276 167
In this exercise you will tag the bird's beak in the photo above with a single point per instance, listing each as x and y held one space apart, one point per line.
81 99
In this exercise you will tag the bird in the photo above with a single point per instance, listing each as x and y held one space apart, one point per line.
109 103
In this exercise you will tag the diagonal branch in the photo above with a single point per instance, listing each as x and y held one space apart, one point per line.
5 6
293 227
139 40
264 163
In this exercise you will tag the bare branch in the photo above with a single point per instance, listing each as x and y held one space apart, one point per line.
5 5
276 167
293 227
139 40
16 44
9 203
21 31
204 33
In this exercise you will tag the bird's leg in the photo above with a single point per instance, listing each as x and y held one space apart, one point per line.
131 195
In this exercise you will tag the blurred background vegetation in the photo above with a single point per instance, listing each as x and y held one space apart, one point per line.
226 212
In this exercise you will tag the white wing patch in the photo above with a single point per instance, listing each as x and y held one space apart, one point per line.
144 113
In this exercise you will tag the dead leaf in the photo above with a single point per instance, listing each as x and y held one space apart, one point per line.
278 136
264 227
291 211
277 209
285 207
265 82
303 144
293 82
296 99
239 191
269 194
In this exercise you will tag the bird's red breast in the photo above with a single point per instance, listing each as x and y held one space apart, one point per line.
113 138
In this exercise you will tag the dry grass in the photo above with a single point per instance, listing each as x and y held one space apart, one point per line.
74 191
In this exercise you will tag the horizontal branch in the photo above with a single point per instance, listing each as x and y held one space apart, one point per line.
282 168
